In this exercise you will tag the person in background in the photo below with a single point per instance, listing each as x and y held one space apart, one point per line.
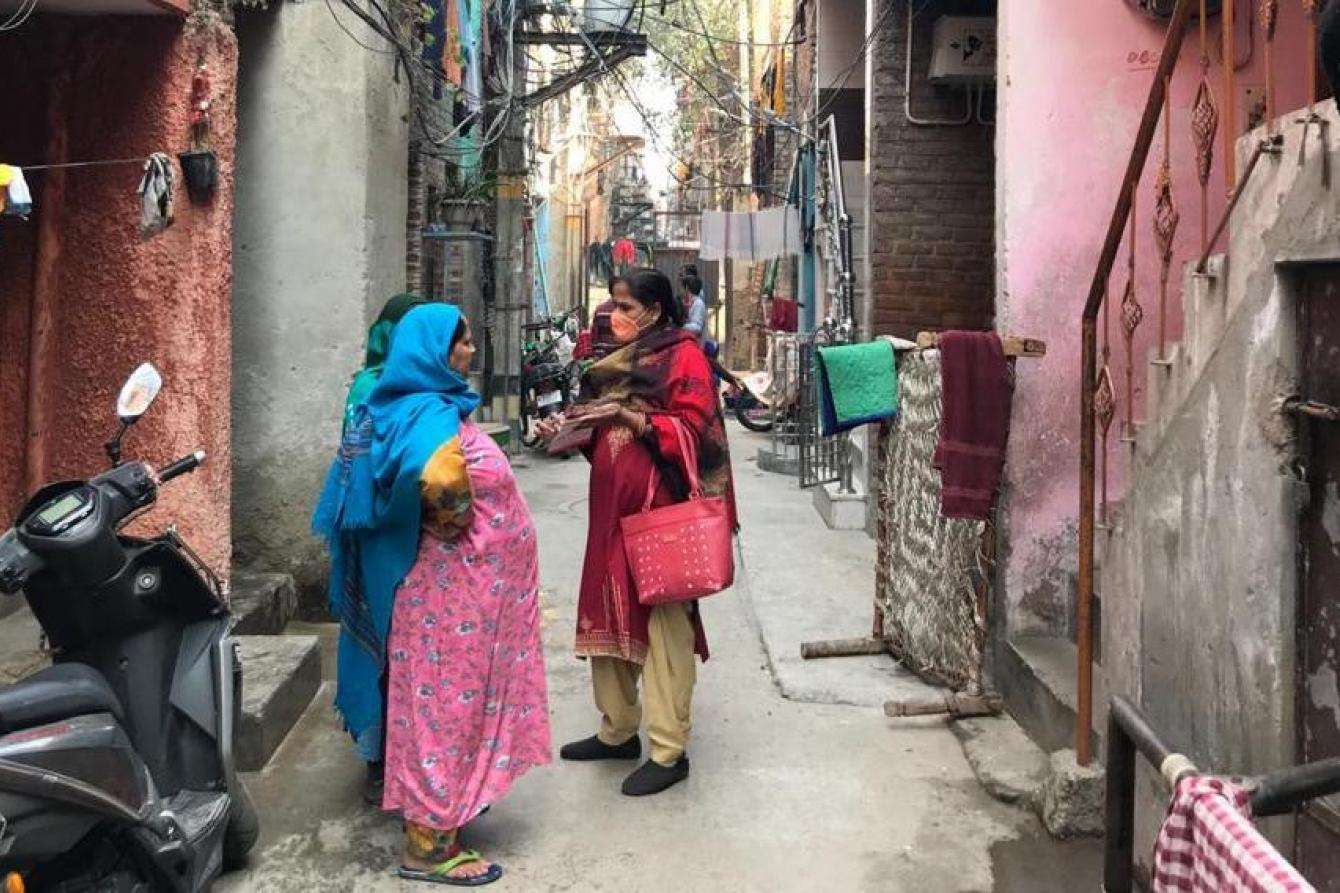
378 346
695 305
636 399
436 586
602 336
369 740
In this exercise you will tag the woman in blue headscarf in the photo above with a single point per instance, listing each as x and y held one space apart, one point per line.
434 579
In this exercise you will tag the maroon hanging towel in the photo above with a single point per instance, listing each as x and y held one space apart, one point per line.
974 422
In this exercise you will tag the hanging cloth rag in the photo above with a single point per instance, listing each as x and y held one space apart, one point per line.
433 38
740 235
777 232
451 51
784 316
156 195
858 384
1208 844
751 235
624 252
712 236
18 201
974 423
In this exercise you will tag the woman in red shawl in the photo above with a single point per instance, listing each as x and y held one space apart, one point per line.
633 400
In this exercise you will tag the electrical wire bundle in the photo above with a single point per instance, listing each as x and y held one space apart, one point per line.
424 77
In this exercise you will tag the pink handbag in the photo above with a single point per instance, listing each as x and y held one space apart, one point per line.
679 552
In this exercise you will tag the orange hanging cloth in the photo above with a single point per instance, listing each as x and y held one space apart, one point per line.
451 52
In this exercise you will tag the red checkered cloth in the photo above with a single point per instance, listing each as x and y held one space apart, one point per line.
1208 844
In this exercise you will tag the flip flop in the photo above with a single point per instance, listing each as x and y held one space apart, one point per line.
441 873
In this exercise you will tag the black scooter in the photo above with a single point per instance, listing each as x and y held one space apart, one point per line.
116 763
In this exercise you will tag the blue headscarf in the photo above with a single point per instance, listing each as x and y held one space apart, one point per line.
369 512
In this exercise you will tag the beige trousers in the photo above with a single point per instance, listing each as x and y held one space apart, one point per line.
667 687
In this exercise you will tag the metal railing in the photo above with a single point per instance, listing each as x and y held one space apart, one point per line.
783 362
1099 398
823 459
837 227
1129 732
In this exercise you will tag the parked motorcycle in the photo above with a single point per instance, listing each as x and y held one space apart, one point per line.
550 375
116 763
748 398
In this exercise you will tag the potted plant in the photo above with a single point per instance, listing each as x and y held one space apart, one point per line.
464 200
199 164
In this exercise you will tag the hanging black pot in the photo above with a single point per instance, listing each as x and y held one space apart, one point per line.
200 167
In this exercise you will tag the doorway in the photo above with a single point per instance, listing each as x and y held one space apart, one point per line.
1317 688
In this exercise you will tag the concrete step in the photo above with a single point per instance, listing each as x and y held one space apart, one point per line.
1040 681
262 604
1005 760
280 676
1013 769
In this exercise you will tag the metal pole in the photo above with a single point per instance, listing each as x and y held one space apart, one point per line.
1270 144
1280 792
1120 833
511 246
1229 59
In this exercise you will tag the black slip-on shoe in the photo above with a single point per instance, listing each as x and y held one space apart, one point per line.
594 749
652 778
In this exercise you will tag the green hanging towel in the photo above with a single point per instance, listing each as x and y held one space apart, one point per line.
858 384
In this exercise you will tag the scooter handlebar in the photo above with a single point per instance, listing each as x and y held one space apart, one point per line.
181 466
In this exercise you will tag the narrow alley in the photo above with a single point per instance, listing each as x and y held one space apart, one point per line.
786 794
384 384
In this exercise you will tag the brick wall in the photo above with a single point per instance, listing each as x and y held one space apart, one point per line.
931 226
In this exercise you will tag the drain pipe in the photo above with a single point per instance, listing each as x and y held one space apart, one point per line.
907 89
45 292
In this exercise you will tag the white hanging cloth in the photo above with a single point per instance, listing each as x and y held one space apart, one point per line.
750 235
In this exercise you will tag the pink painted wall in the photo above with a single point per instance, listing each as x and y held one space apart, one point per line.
1074 79
117 299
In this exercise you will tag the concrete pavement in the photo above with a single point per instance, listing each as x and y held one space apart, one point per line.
787 793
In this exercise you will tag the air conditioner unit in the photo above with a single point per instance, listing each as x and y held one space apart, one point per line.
964 50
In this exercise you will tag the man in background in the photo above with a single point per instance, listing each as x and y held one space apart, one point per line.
695 306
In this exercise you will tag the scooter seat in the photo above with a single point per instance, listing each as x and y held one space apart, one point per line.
59 692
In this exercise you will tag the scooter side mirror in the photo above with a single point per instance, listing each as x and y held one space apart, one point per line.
138 394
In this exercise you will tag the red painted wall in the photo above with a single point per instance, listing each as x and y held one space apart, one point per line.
111 88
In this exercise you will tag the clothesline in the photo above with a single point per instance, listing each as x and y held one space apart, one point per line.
155 190
68 164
